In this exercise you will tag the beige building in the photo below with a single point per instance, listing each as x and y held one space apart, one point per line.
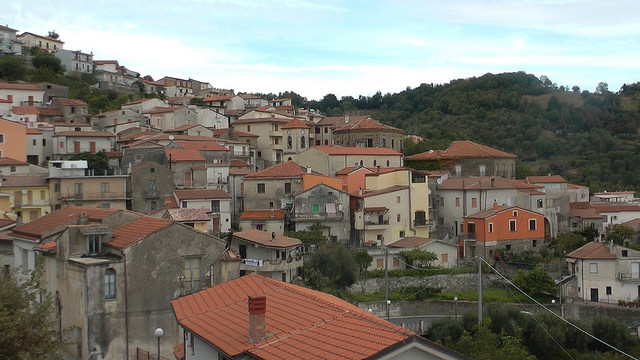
367 132
44 43
269 145
268 253
328 160
108 191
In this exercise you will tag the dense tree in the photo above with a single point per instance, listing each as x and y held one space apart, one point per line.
28 325
622 235
363 259
44 60
421 257
535 283
335 263
97 162
567 242
12 68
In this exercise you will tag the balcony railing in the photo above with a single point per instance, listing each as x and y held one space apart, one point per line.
339 215
271 265
629 277
94 196
34 202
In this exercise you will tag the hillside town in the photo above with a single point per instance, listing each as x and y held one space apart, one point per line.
186 227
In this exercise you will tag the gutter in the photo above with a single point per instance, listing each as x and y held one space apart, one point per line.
411 215
126 305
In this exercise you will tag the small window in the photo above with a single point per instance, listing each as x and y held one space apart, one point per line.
512 225
515 212
315 208
625 253
474 202
192 274
457 202
508 247
398 217
184 204
287 188
93 244
533 225
534 243
490 227
261 188
215 205
608 290
398 199
401 233
110 284
441 201
540 203
593 268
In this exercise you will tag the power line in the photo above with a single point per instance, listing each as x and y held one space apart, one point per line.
556 315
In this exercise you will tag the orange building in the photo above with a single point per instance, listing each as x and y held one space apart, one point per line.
13 140
508 228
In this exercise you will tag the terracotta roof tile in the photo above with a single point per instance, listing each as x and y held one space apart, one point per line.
484 183
386 190
218 98
262 215
19 86
32 131
289 169
183 155
546 179
162 110
59 219
295 124
70 102
462 149
170 202
261 120
219 132
411 242
264 238
30 180
196 194
366 124
4 161
592 250
300 322
340 150
622 207
127 234
84 134
210 145
188 214
350 169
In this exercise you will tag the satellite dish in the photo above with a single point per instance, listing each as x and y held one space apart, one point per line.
439 181
171 137
215 161
429 191
367 217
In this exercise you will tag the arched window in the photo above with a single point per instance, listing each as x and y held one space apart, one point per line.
387 163
109 284
303 142
361 163
289 142
375 163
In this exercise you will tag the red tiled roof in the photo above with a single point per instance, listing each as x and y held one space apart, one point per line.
218 98
30 180
170 201
366 124
162 110
295 124
127 234
340 150
218 132
607 207
545 179
196 194
350 169
6 101
182 128
24 110
493 211
201 145
239 163
484 183
50 246
592 250
59 219
386 190
289 169
32 131
264 238
84 134
410 242
584 213
70 102
19 86
462 149
188 214
7 161
239 171
376 209
261 120
180 155
300 322
262 215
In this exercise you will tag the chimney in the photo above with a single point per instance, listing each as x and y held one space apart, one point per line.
273 213
83 219
346 119
273 237
493 182
308 169
257 311
495 205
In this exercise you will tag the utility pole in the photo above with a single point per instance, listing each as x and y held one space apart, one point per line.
386 272
560 288
479 289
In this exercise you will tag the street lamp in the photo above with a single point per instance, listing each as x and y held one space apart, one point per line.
455 302
158 333
388 305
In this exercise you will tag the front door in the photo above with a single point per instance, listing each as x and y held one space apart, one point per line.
594 295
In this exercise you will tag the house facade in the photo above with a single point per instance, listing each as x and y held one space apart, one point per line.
324 205
28 195
507 228
269 254
13 140
214 201
75 61
44 43
367 132
329 160
150 183
108 293
69 143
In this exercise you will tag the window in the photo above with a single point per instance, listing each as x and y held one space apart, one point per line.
289 142
474 202
303 142
248 128
396 262
215 205
398 199
375 163
401 233
287 188
512 225
534 243
379 263
315 208
276 140
490 227
540 203
56 187
508 247
533 224
398 217
369 142
154 205
270 204
191 274
275 127
93 244
515 213
44 142
110 284
261 188
78 190
1 138
441 201
608 290
593 268
625 253
184 204
420 218
457 202
104 187
34 142
326 130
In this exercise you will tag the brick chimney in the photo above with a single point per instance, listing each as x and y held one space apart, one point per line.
257 311
495 205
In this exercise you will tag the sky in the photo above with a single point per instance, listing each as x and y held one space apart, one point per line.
347 48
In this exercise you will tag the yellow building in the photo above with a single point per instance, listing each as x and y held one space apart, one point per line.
26 196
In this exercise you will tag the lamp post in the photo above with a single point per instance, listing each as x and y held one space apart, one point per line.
388 305
158 333
455 305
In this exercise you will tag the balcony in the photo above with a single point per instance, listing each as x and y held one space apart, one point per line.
629 277
271 265
337 216
27 203
94 196
422 222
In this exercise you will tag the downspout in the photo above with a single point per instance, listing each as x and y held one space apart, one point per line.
411 212
126 305
582 277
86 308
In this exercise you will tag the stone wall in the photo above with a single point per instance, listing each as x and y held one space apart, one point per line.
444 282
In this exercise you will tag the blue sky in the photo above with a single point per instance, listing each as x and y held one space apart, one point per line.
347 47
